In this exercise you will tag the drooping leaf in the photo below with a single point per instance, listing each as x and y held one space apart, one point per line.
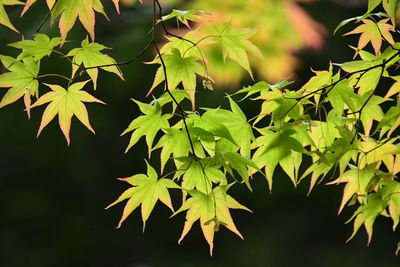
90 56
236 123
278 148
390 8
21 80
366 214
200 174
212 210
391 193
4 19
37 48
65 103
357 181
148 124
146 190
71 10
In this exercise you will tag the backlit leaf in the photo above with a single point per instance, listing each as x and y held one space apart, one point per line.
146 190
65 103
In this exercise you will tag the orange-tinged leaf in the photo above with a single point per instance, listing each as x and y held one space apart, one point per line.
116 3
357 181
21 79
71 10
65 103
146 191
374 33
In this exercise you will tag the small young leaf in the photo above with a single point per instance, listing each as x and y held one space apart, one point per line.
90 56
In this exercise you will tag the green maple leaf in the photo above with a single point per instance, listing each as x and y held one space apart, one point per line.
366 214
175 142
71 10
146 191
278 148
148 124
341 97
3 14
236 123
38 48
390 121
235 162
321 79
21 80
65 103
373 32
390 8
235 44
90 56
200 174
371 110
357 182
212 210
391 193
180 69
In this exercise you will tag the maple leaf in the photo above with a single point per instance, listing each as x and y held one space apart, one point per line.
175 141
278 148
212 210
71 10
38 48
367 213
200 174
21 80
235 44
184 16
65 103
180 69
147 125
146 191
357 181
3 14
90 56
373 32
236 123
391 192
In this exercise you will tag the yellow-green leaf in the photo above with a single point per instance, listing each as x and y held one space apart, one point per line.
65 103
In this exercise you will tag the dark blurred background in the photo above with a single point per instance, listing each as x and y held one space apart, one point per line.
52 196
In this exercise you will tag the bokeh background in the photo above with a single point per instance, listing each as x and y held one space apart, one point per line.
52 196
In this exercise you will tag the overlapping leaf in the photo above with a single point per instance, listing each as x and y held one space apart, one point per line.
180 68
148 124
